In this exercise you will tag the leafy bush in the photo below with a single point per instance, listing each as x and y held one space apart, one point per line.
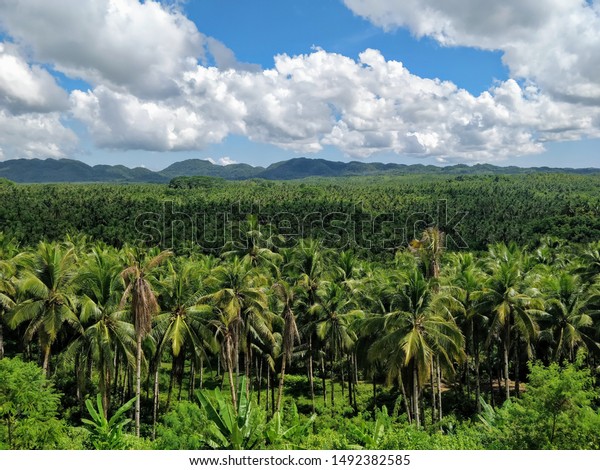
183 428
554 413
28 408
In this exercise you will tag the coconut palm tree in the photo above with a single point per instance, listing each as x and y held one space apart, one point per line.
182 324
513 307
139 289
7 295
106 329
286 295
461 286
240 296
414 334
569 319
334 314
46 301
8 268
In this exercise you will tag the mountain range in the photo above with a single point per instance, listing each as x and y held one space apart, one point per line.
67 170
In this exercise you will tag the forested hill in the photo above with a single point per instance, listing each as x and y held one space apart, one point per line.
67 170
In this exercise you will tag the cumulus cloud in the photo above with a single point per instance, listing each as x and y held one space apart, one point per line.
30 105
34 135
152 88
27 88
555 43
362 106
140 46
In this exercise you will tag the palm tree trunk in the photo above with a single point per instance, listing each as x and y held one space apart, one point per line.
517 366
138 383
405 398
332 386
349 364
273 392
268 387
477 380
281 380
171 381
374 392
506 351
229 361
116 366
155 399
439 388
310 373
259 385
342 379
1 341
355 378
433 394
202 372
104 385
192 386
247 364
416 414
323 379
46 363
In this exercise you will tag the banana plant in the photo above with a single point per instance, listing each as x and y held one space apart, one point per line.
107 434
235 428
280 436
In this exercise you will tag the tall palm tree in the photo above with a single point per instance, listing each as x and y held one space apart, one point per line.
239 294
106 329
309 262
225 325
7 295
430 249
334 314
137 277
46 300
463 284
569 319
512 306
287 297
8 269
182 325
419 330
256 246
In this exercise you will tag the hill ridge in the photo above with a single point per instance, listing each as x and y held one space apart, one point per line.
74 171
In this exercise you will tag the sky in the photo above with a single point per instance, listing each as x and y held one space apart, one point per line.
148 83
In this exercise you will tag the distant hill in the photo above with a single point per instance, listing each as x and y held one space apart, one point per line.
66 170
196 167
70 171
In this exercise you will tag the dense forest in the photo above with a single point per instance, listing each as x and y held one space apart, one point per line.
421 312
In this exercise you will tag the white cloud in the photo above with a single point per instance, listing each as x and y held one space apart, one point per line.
27 88
142 47
555 43
34 135
149 92
30 101
361 106
226 161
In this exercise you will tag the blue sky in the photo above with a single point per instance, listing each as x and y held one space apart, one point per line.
148 84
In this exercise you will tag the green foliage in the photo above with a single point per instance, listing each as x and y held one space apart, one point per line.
369 434
554 413
107 434
28 407
285 435
184 427
191 182
240 428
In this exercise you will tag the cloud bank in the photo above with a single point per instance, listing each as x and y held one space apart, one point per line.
157 83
